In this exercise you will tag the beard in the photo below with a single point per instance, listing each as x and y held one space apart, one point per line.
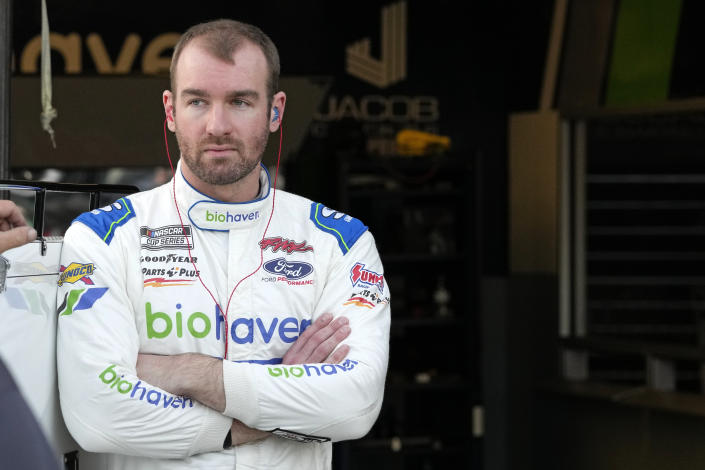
226 170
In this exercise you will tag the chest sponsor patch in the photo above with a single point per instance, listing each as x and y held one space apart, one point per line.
221 217
284 245
292 270
169 237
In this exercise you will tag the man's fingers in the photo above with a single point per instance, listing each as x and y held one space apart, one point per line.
10 212
296 348
338 355
317 341
326 347
16 237
322 342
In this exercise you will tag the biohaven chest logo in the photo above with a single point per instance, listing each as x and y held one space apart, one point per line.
171 325
170 237
227 217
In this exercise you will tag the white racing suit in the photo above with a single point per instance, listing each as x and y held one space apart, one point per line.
128 285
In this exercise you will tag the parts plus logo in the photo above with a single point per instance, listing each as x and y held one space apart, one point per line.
169 270
138 391
76 272
283 244
359 276
80 299
309 370
173 237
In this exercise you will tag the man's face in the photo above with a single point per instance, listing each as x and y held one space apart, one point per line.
221 113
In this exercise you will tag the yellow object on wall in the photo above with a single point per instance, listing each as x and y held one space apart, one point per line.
413 143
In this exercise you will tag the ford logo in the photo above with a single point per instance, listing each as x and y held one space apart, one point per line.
290 269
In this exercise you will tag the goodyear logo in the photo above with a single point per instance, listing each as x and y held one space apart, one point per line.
76 272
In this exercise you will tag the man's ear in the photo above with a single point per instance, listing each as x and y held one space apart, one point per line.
278 102
168 99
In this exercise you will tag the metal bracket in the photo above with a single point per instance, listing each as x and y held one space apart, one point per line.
4 268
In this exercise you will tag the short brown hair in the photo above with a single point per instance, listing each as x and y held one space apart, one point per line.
222 38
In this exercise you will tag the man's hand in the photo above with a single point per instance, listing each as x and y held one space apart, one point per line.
318 342
14 231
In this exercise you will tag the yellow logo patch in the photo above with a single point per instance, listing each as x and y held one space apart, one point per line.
76 272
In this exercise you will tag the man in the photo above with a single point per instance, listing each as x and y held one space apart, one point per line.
163 284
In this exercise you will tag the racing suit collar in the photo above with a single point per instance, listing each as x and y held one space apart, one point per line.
207 213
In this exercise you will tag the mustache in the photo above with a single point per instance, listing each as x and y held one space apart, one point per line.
222 140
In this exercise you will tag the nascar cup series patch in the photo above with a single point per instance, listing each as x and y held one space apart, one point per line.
169 237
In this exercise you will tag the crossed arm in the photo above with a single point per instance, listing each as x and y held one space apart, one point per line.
200 377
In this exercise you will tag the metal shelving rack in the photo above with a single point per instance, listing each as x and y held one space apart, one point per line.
421 212
632 325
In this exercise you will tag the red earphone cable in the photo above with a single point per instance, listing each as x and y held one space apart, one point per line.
188 246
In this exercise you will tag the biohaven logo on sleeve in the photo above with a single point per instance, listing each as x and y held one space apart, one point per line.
311 370
142 391
170 237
